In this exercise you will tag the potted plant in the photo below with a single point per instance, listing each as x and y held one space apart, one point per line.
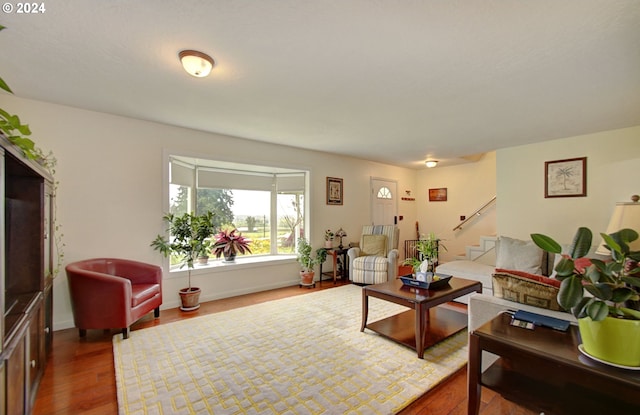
328 239
608 319
188 238
229 244
428 249
308 261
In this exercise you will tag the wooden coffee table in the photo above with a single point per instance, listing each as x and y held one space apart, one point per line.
427 324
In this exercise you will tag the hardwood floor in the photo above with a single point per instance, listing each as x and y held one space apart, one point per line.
79 377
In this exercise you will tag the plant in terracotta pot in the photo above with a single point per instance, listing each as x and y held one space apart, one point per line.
612 287
308 261
188 238
229 243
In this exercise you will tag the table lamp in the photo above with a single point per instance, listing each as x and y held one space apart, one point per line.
625 215
340 233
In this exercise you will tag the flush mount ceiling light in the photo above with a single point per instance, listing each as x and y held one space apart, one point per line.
196 63
431 163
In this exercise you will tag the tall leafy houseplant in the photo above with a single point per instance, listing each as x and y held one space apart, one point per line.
610 308
188 238
308 260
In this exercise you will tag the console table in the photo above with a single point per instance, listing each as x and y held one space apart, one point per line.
543 370
340 264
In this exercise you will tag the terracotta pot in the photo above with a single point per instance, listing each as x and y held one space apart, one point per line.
328 244
306 277
190 299
613 340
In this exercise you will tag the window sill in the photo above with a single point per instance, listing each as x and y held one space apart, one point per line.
219 265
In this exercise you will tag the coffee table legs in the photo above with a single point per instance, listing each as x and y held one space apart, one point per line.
474 388
420 329
365 309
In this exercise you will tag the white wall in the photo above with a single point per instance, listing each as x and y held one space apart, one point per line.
613 169
469 187
110 193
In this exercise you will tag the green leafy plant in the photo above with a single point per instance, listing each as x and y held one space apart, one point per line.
613 285
306 257
428 249
188 237
230 243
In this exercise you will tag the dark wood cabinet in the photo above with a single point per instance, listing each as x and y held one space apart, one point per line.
26 236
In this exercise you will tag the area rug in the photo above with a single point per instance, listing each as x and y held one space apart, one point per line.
298 355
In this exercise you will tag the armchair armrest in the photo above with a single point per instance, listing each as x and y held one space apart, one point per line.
352 253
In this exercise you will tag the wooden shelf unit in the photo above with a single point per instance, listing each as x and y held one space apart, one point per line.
26 263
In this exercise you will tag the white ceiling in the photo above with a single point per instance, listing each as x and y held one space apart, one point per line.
391 81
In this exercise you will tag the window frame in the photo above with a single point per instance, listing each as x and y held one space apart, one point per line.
241 261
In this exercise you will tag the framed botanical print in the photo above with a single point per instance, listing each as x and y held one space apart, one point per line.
334 191
565 178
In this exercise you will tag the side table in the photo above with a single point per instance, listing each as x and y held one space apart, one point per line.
340 264
543 370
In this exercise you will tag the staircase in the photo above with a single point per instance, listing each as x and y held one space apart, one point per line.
483 252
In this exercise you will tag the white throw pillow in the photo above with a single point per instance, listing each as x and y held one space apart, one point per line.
518 255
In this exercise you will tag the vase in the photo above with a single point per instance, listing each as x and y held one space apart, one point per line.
613 340
230 258
328 244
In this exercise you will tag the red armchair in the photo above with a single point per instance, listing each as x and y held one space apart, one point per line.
111 293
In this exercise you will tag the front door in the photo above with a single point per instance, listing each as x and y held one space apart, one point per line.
384 202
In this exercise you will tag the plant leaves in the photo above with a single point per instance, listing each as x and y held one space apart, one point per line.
598 310
621 294
546 243
602 291
570 292
581 243
565 267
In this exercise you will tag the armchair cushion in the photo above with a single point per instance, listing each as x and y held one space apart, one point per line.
374 245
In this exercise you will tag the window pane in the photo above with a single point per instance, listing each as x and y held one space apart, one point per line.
290 220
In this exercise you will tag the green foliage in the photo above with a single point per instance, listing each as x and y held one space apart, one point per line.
230 243
612 285
428 249
218 201
188 237
306 257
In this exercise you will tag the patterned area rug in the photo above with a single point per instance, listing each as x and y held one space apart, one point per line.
298 355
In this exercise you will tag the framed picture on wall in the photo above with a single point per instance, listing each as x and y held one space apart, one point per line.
438 195
565 178
334 191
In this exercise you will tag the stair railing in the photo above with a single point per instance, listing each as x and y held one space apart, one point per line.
476 213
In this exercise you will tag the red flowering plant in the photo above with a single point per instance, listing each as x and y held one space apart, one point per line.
229 243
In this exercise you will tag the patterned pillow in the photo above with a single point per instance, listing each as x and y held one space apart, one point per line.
524 288
375 245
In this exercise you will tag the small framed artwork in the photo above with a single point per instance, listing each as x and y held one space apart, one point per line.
565 178
334 191
438 195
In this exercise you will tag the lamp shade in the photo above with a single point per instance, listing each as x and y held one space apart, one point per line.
196 63
625 215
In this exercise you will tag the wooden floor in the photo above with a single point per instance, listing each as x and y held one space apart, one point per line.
79 377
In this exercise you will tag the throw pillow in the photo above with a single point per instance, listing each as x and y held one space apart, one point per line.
519 255
374 245
526 289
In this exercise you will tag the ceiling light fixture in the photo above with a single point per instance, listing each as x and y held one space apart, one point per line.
196 63
431 163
